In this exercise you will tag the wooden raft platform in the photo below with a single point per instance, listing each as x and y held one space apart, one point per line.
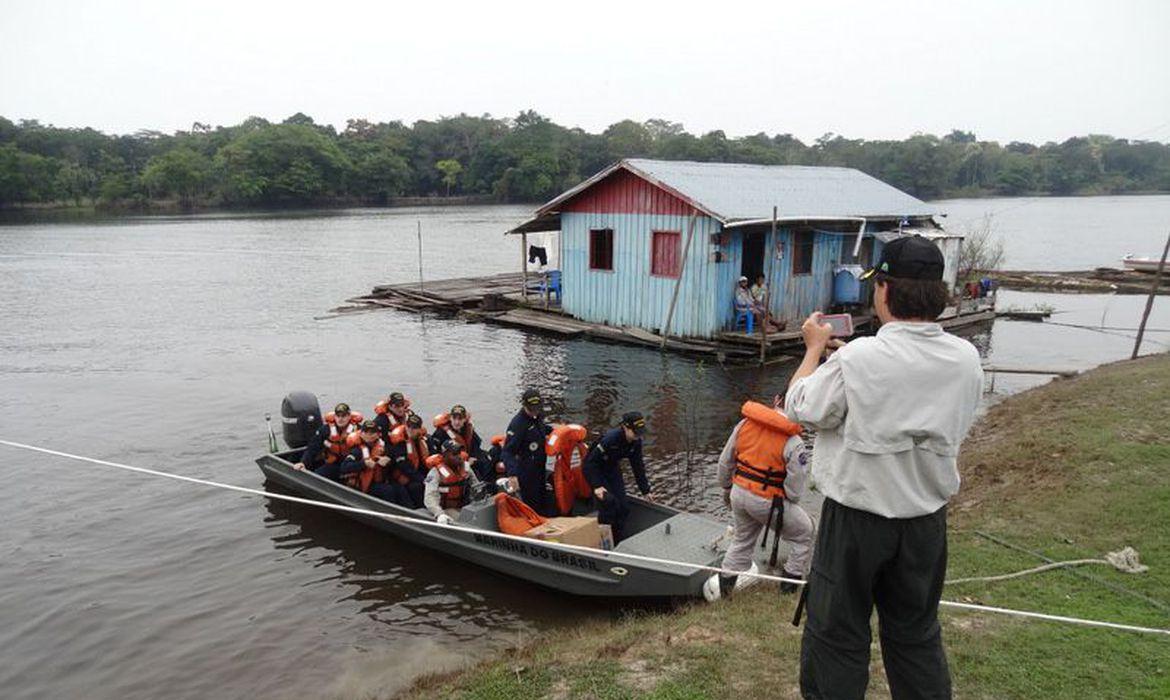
499 299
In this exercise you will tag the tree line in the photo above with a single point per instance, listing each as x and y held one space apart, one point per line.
528 158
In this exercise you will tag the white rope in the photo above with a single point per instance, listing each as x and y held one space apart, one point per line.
1124 560
556 545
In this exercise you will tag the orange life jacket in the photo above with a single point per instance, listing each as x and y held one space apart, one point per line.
362 480
569 483
383 407
452 486
515 517
336 441
416 448
463 437
759 450
498 440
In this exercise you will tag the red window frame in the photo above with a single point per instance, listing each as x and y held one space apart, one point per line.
666 253
601 249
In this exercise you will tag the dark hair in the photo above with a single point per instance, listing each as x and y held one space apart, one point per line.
909 298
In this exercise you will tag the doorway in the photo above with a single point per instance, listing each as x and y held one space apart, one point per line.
753 256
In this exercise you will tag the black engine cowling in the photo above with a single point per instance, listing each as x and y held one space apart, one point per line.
300 415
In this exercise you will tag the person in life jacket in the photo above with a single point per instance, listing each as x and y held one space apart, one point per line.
763 470
391 412
523 451
456 425
408 455
365 467
450 484
326 448
566 444
603 471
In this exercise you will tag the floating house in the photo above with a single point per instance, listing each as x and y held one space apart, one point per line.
660 245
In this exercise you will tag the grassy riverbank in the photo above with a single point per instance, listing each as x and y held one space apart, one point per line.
1071 470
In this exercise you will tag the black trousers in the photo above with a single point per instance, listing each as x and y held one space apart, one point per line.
614 510
863 560
537 253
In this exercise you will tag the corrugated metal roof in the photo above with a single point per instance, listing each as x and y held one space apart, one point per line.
739 191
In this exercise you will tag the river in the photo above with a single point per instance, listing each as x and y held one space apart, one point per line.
163 341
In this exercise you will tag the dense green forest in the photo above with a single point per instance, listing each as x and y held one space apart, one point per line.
528 158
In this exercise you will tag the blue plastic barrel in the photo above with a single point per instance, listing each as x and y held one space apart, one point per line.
847 285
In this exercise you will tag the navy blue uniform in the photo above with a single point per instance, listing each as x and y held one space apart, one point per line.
524 457
401 469
314 455
602 468
392 492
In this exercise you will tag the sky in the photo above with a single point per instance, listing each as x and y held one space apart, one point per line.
1022 70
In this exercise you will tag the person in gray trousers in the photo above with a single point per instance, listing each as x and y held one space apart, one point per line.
890 412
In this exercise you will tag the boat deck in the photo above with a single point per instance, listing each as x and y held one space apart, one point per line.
683 537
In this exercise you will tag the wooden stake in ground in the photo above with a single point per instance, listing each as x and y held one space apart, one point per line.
767 317
1150 300
678 282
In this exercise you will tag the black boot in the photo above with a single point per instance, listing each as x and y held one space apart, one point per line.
786 587
726 585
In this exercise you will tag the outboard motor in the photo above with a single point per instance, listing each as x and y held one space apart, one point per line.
300 413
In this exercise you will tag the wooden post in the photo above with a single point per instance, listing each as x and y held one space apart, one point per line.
678 283
1150 300
768 254
420 273
524 264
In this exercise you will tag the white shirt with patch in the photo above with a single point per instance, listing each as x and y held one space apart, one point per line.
890 413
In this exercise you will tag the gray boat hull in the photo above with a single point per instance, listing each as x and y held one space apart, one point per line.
661 532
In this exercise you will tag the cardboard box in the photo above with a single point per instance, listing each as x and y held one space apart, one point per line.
583 531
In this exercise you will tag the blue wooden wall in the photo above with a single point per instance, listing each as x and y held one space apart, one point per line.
630 295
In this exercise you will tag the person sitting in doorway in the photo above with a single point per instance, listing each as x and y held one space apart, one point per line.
450 484
759 304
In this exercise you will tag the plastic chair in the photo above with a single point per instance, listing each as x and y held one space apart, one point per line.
554 284
746 317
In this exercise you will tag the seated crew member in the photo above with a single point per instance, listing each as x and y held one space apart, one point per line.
523 451
765 459
408 455
326 449
364 467
449 485
392 412
456 425
494 468
602 470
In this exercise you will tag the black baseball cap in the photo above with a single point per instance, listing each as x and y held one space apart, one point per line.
451 446
396 399
458 410
341 408
413 421
634 421
532 398
911 258
369 426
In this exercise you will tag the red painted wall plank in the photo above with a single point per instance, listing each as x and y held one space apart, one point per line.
626 193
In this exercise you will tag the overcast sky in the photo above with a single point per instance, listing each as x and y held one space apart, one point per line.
1013 70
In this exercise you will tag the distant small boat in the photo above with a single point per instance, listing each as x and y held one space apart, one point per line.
1140 264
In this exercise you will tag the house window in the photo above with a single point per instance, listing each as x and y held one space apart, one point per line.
802 252
864 256
601 249
664 253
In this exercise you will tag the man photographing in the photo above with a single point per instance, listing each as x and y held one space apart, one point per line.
890 412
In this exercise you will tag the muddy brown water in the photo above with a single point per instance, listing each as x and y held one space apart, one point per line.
163 341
